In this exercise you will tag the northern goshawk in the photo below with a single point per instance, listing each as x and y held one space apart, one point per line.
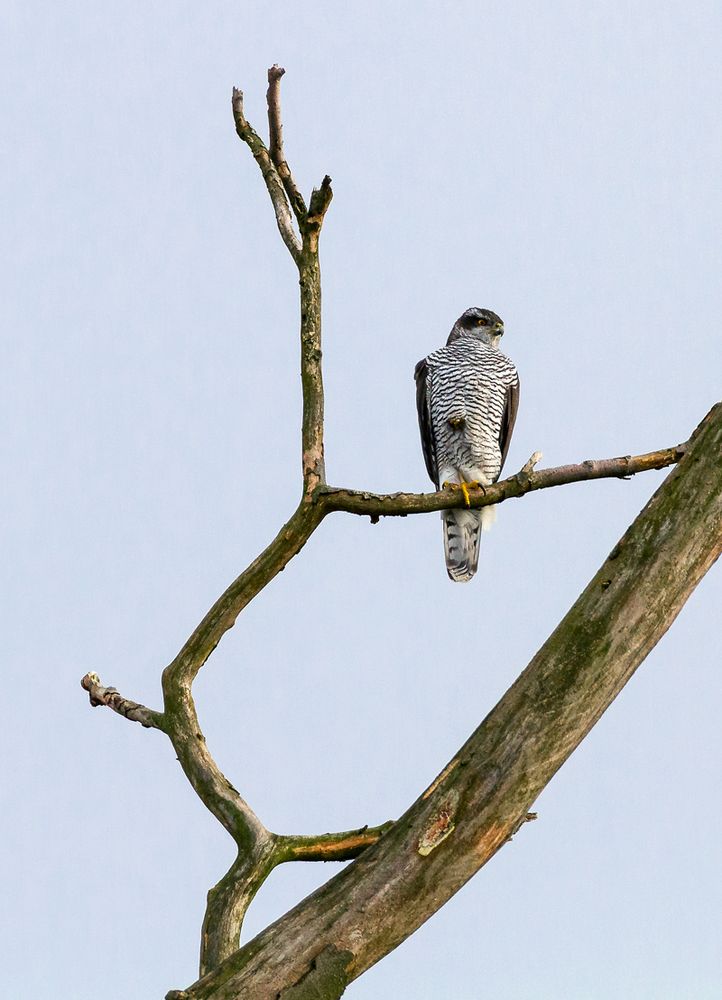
467 395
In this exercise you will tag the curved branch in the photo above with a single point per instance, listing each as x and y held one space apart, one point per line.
525 481
210 784
229 900
479 799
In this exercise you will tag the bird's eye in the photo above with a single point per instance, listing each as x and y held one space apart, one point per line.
482 321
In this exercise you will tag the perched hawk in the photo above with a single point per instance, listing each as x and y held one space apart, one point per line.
467 395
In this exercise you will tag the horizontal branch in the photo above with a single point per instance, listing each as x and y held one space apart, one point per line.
525 481
110 698
330 846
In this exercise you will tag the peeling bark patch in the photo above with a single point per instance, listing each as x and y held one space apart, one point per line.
491 840
437 832
326 979
444 774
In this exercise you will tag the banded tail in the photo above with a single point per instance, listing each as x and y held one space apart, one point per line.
462 540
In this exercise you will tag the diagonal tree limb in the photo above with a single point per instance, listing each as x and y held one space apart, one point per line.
479 799
275 145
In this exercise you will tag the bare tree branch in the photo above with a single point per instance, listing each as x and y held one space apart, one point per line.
111 698
525 481
212 787
274 183
275 145
479 799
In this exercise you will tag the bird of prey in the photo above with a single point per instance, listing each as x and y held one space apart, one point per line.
467 395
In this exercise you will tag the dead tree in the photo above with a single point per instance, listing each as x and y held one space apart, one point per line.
406 869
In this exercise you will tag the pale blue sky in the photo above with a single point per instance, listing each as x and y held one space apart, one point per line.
557 163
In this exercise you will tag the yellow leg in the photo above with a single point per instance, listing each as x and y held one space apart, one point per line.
464 487
473 485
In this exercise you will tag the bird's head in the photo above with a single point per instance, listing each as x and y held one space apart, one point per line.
483 324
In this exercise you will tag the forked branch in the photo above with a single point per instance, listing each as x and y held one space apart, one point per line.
273 181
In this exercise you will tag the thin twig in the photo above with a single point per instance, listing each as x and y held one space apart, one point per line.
275 145
110 698
533 460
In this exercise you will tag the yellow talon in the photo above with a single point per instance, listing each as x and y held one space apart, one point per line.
464 487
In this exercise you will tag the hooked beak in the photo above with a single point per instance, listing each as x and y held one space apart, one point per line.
498 329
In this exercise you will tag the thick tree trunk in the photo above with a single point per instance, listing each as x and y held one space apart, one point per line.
483 794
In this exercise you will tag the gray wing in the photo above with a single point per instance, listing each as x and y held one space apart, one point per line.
511 405
422 408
